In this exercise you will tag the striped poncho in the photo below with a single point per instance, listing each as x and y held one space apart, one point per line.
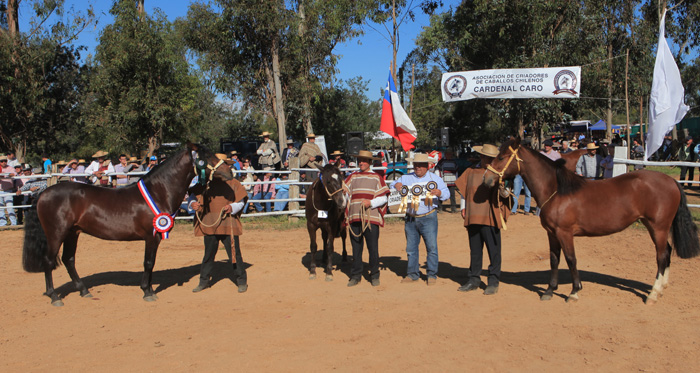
362 186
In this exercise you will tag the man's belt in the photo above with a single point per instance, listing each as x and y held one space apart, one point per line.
422 215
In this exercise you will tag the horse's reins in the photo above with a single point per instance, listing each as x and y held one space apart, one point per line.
513 156
365 222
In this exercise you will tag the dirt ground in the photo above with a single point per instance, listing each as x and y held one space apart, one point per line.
286 322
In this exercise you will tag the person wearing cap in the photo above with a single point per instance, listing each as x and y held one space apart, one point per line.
686 153
485 212
269 155
423 221
99 167
588 164
235 163
289 153
74 167
367 194
310 155
218 211
264 191
152 162
549 151
7 188
46 163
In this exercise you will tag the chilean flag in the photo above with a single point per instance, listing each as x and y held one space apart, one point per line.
395 121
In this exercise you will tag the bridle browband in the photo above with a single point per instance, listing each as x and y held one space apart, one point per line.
513 155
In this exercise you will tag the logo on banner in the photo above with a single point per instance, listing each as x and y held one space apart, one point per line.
455 86
565 82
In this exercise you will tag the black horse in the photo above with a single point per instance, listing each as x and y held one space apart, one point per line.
65 210
325 209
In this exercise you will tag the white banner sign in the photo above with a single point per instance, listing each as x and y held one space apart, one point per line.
551 82
394 198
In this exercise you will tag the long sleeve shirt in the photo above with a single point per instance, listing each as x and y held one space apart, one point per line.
411 180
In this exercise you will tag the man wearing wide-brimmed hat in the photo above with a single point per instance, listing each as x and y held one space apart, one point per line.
368 197
310 155
99 167
288 153
424 189
588 164
269 155
235 162
134 166
485 211
336 158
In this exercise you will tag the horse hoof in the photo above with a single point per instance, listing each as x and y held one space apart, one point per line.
150 298
651 300
86 295
329 278
572 298
57 303
546 297
312 276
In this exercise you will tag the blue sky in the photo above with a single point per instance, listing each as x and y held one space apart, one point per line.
368 56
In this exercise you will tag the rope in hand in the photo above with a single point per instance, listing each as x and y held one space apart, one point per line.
218 220
364 221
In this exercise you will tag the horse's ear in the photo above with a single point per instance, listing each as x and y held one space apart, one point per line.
516 142
319 167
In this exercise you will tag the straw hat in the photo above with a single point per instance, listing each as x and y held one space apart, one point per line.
61 163
81 161
365 154
100 153
422 158
134 160
3 157
311 136
290 142
487 150
591 146
265 133
337 152
223 157
232 153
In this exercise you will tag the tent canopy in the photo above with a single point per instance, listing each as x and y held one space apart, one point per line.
600 126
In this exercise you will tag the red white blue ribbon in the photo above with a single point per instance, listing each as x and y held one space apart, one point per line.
163 222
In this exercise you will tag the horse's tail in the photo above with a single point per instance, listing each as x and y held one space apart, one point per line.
684 230
35 243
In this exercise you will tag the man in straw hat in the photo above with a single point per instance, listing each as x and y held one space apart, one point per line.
588 164
421 219
134 166
269 155
217 219
368 197
99 167
485 212
336 158
310 155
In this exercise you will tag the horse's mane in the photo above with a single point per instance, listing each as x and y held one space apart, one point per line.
567 181
161 171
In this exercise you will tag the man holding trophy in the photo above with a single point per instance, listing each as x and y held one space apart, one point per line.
420 192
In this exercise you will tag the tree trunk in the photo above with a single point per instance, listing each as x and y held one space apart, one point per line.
279 100
13 18
608 128
306 118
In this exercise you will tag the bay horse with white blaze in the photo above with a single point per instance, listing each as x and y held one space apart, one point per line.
64 211
573 206
325 209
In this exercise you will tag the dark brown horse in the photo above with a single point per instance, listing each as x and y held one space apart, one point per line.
572 157
65 210
325 209
572 206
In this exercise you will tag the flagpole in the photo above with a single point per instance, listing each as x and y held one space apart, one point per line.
627 105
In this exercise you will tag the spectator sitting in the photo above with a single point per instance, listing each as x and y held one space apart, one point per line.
249 177
74 167
99 168
152 162
281 192
134 166
264 191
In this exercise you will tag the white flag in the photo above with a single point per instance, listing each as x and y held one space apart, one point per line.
666 104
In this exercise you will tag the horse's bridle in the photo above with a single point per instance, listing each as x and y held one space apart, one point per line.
199 165
513 155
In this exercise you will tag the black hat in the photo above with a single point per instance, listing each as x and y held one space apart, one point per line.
689 138
548 142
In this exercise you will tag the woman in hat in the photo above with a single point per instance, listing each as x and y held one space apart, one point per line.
99 168
269 155
588 165
74 167
485 211
368 198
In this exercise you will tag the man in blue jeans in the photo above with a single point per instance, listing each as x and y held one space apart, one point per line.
424 190
519 184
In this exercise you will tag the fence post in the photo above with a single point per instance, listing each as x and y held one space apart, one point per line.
293 188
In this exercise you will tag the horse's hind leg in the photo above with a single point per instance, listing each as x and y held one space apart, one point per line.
70 245
50 292
663 261
554 256
312 247
149 261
